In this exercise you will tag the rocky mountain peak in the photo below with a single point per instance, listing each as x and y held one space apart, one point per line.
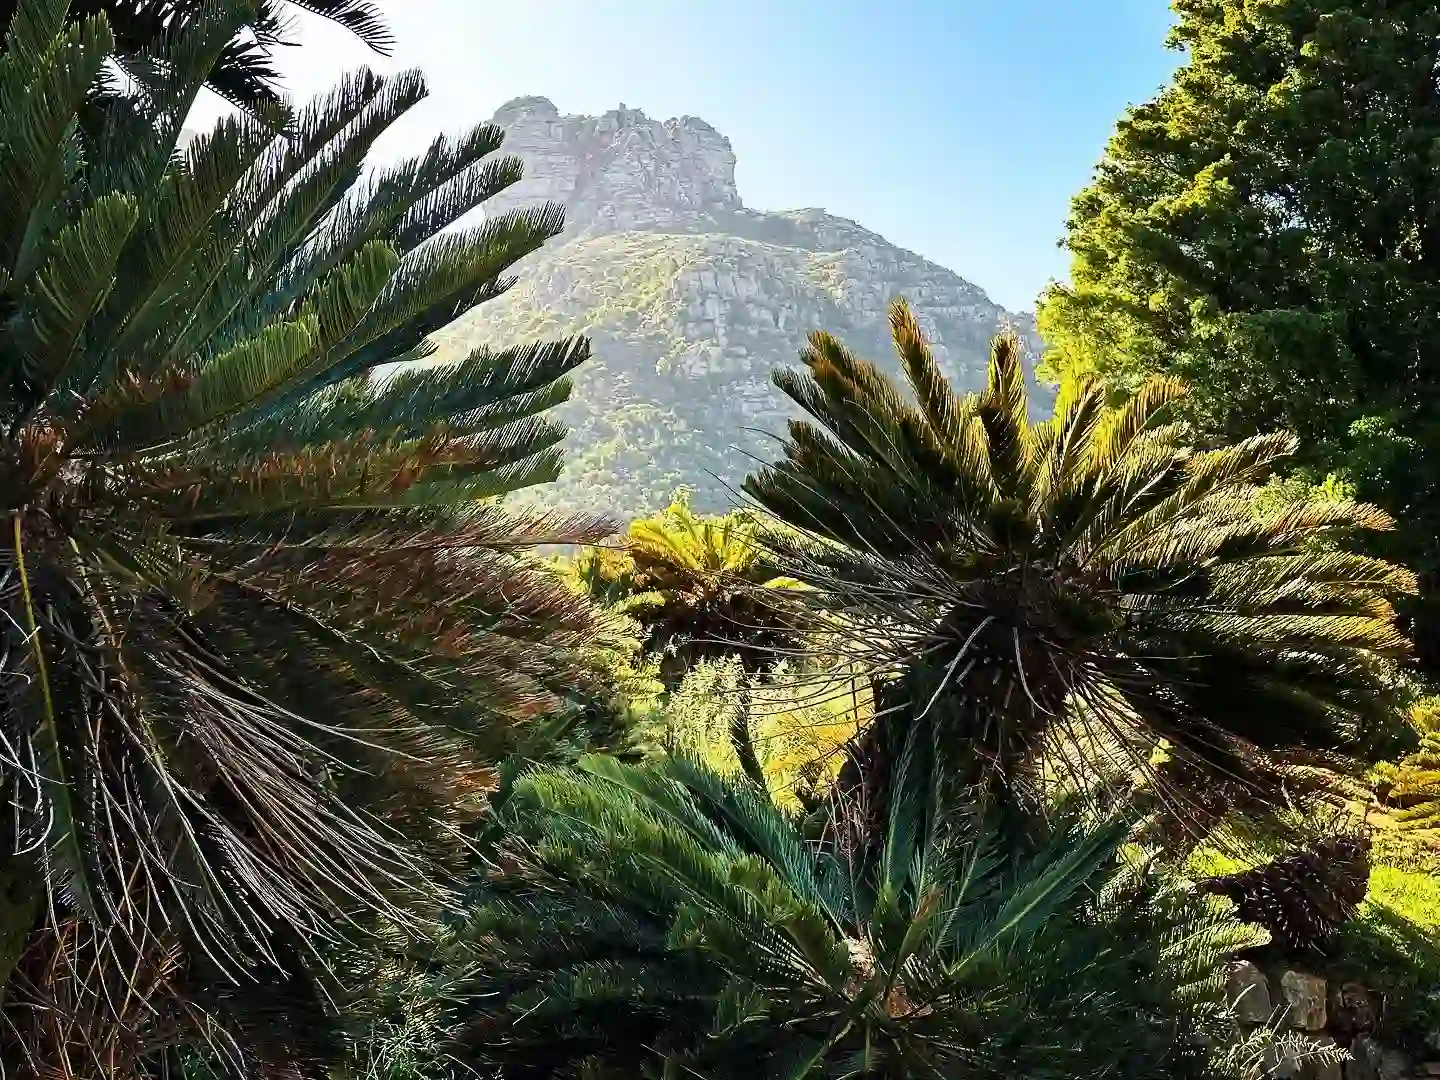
620 170
692 300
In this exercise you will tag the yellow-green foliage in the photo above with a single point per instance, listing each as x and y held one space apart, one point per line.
1411 786
674 547
1393 943
798 725
700 587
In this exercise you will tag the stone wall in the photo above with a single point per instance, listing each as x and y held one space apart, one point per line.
1348 1016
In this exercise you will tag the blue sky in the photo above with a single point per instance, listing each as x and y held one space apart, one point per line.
956 128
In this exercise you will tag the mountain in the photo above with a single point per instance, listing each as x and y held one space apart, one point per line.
691 300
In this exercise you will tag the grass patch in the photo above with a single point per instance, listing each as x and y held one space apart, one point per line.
1393 946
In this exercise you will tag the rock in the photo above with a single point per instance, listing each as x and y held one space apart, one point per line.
1302 995
1394 1065
1316 1067
1370 1060
1353 1009
1363 1062
1247 987
660 254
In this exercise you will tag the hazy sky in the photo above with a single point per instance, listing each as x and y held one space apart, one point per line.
956 128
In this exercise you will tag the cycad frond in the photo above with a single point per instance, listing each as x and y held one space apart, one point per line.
1090 580
664 920
242 70
1412 785
265 630
700 587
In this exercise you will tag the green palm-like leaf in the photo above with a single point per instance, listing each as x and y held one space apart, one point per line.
700 587
265 631
242 71
1090 579
662 920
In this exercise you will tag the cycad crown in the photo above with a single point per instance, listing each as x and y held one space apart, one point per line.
1412 785
661 920
253 597
1303 897
1090 576
701 587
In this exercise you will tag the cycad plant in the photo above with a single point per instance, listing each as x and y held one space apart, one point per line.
1411 786
243 72
1090 583
259 606
1303 897
701 587
662 920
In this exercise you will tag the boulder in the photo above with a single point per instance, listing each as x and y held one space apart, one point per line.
1319 1066
1370 1060
1361 1064
1248 989
1302 995
1353 1009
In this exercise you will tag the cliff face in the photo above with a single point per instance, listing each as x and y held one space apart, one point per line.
620 171
692 300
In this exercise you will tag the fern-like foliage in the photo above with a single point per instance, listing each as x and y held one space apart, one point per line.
1411 786
664 920
260 608
701 587
243 72
1090 583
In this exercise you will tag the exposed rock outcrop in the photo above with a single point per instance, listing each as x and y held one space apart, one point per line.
692 300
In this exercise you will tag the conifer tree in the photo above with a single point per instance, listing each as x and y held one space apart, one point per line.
1267 228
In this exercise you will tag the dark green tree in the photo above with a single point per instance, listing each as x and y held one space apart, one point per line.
262 624
1267 228
244 72
659 920
1062 595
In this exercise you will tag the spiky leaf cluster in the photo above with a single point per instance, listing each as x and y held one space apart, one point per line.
662 920
244 72
1091 576
1412 784
258 602
701 587
1303 897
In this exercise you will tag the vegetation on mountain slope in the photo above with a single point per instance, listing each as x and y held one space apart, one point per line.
686 328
